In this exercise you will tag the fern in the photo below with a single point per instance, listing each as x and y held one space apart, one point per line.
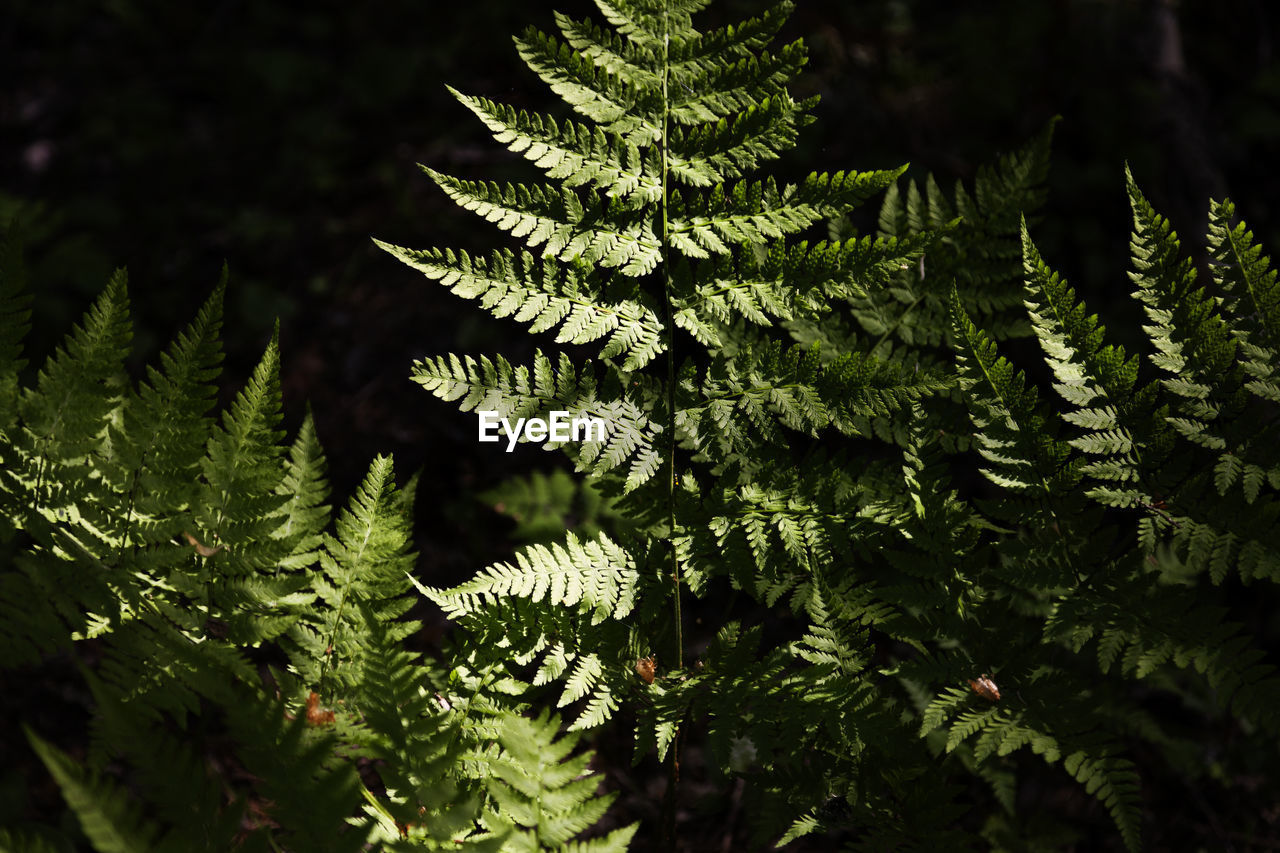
108 820
547 809
796 576
733 346
980 253
663 105
189 549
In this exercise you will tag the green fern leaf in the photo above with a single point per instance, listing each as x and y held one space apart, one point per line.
65 416
545 296
239 502
544 794
596 577
111 823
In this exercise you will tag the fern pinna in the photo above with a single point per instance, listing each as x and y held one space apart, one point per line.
782 415
245 663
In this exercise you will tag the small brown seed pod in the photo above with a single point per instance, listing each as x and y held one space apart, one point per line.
317 716
646 668
985 687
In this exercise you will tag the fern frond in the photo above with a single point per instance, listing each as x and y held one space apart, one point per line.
739 406
1251 297
734 40
365 565
710 91
792 283
65 416
618 106
583 589
32 840
1218 378
758 212
239 501
155 452
1011 434
573 153
621 57
111 822
306 512
1097 381
559 220
545 506
711 153
1191 339
597 577
639 20
172 778
308 793
986 272
419 744
1114 783
543 793
545 295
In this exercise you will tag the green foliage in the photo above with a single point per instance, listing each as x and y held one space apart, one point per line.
872 648
543 506
791 420
249 653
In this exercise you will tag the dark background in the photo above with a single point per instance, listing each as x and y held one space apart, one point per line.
279 137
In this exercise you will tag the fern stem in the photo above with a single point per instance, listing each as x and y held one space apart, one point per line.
671 339
897 324
127 534
673 784
330 648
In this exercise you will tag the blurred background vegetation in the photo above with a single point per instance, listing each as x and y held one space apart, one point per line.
279 137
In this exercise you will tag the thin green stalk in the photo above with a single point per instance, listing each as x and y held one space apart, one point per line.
669 809
898 323
671 343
